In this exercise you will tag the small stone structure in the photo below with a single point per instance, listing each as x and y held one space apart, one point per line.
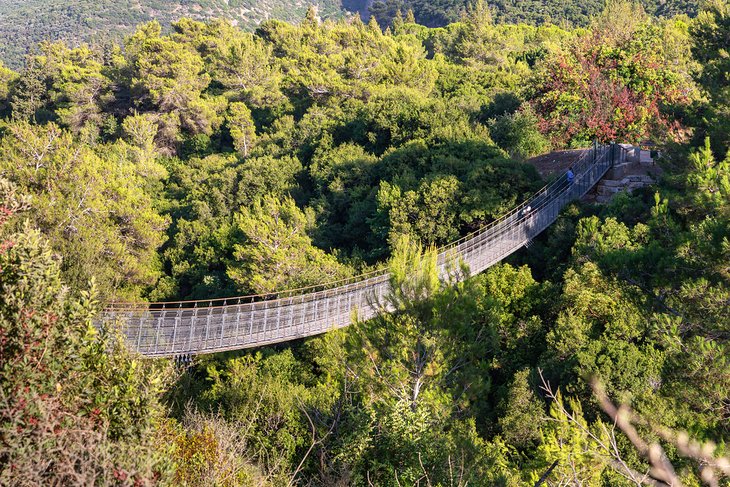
637 171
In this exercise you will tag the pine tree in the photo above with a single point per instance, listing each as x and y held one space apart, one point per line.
311 19
397 23
276 253
30 93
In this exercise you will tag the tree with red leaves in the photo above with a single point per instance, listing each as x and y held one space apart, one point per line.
616 82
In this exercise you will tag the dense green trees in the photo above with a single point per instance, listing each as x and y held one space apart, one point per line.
209 162
710 36
91 203
275 252
533 12
100 22
518 133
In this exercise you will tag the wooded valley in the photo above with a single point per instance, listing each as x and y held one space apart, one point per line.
210 162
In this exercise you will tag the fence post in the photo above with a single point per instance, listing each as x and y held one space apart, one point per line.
291 314
238 321
250 325
278 317
337 305
266 317
595 150
139 332
316 311
613 153
349 307
304 313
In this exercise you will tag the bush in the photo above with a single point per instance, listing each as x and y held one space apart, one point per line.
75 407
518 134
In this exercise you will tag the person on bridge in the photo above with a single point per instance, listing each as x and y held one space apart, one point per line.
524 211
570 176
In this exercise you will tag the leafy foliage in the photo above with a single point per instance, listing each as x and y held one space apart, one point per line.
209 162
76 406
276 251
710 36
90 203
607 86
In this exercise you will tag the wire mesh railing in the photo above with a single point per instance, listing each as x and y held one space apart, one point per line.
215 325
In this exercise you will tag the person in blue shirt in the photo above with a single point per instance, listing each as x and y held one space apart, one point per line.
570 176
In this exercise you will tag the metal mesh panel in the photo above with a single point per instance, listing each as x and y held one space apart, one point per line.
182 328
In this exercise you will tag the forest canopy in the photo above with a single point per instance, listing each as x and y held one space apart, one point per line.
208 162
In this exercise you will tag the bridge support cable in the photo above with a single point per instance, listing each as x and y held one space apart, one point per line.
186 328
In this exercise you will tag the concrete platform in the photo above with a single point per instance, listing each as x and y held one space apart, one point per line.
638 171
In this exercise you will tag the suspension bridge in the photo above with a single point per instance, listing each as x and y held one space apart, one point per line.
181 328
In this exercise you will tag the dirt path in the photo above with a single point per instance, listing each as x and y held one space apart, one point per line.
556 161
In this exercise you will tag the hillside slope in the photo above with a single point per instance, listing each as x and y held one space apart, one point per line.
24 23
436 13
